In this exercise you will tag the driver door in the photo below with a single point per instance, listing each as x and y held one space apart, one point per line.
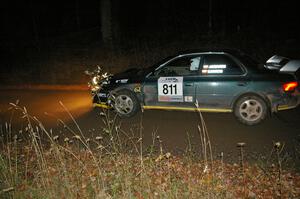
172 85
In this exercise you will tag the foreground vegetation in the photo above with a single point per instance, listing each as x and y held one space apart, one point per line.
36 163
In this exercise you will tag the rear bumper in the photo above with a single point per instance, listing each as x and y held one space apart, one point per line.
289 103
285 107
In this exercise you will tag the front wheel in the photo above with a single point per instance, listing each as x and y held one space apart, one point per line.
250 110
126 104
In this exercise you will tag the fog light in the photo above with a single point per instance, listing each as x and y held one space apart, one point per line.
95 88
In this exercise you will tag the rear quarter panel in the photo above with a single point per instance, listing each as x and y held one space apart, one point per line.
269 87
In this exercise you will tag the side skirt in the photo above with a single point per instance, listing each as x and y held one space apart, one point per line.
172 108
187 109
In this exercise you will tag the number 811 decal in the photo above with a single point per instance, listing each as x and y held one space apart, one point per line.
170 89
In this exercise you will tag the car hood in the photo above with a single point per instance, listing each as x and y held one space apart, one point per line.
128 76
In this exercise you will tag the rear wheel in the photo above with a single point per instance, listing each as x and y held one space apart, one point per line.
126 104
250 110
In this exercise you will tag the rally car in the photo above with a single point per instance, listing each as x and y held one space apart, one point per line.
217 80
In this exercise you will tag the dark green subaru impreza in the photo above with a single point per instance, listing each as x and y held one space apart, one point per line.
217 80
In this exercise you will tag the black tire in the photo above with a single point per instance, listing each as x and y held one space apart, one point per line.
250 110
126 103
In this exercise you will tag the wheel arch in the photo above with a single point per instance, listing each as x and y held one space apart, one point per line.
119 89
128 89
261 96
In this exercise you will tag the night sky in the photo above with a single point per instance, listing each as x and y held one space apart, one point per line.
46 19
32 30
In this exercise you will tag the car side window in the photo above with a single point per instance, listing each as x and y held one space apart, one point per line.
220 64
182 66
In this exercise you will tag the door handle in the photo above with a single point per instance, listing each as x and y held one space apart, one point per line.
188 84
242 83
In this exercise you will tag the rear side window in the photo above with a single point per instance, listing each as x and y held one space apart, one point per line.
220 64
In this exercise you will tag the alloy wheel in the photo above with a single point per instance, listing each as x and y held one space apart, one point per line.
251 110
123 104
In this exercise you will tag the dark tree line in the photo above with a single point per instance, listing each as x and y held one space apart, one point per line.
33 20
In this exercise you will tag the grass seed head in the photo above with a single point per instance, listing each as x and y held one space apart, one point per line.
15 137
168 155
277 144
241 144
99 138
55 137
100 147
76 137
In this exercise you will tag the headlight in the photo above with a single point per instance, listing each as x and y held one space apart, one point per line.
95 88
95 80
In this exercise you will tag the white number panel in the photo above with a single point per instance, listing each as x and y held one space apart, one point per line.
170 89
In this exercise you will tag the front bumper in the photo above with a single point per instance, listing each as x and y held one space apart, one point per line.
101 100
102 105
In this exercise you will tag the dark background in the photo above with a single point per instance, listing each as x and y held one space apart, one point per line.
54 42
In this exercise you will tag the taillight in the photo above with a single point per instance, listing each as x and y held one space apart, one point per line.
290 86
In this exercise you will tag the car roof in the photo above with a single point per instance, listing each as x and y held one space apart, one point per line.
244 58
212 50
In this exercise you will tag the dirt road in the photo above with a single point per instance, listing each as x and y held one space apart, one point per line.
173 127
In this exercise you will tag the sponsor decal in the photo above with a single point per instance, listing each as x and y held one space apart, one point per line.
188 98
170 89
213 69
122 81
137 88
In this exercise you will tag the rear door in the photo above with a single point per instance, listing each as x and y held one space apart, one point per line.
172 85
222 78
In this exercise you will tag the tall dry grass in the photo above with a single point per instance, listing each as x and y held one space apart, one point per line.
115 164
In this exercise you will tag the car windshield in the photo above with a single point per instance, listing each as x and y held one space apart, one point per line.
150 69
